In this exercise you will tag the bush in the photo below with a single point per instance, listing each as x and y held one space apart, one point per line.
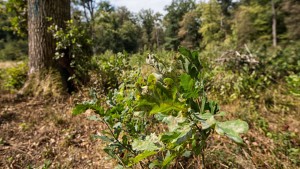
13 50
74 39
109 69
158 120
293 82
15 77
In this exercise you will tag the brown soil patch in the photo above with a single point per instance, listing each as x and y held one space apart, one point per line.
43 133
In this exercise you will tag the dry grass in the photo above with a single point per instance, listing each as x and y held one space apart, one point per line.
43 133
8 64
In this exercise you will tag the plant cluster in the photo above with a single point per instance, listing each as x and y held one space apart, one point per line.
73 43
13 78
156 121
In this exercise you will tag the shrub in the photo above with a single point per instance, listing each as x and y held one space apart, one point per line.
75 40
293 82
13 50
156 120
14 78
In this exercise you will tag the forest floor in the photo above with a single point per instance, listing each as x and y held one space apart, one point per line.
41 133
44 134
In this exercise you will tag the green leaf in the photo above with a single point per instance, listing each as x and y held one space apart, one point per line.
150 143
167 106
232 129
238 126
187 53
142 156
188 85
185 134
168 159
206 116
81 108
208 123
173 122
169 137
186 82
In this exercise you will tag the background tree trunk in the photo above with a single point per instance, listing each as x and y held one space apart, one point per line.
46 74
274 24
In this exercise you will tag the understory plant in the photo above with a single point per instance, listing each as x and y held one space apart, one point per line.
158 121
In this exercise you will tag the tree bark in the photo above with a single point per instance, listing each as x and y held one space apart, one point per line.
42 64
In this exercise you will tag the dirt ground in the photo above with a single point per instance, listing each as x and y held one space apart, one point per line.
44 134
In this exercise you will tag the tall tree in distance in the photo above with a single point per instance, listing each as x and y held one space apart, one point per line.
292 18
46 75
211 29
188 32
148 21
176 11
274 24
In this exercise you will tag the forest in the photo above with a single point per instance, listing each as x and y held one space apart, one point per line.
206 84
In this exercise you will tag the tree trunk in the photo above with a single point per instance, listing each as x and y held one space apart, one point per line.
46 75
274 31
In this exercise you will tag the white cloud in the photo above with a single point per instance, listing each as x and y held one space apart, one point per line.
136 5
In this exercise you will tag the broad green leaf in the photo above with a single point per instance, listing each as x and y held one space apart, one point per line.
167 106
169 137
173 122
142 156
232 129
208 123
187 53
205 116
149 144
188 85
186 82
185 134
237 126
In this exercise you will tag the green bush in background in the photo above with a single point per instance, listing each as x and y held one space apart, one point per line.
13 78
13 50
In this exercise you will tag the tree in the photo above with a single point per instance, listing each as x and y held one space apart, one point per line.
188 31
46 75
16 12
292 18
89 8
252 22
212 29
149 22
116 30
176 11
274 23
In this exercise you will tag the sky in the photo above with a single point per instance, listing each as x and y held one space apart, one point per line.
136 5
